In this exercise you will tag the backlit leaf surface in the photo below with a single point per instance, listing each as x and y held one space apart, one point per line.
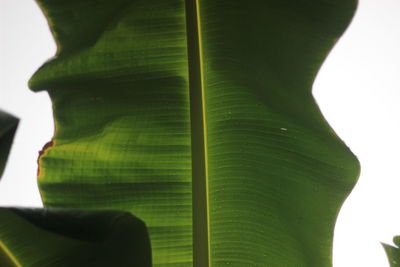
131 82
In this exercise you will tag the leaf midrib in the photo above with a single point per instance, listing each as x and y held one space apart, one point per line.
200 209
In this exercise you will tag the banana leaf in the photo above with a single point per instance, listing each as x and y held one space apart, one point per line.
393 252
8 126
198 117
42 238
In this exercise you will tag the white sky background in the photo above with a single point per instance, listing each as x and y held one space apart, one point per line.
357 89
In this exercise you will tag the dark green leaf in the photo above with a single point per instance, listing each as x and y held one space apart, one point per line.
8 126
44 238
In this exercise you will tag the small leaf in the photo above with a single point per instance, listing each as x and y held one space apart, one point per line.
8 127
393 252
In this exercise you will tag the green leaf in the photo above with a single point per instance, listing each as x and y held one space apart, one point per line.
198 117
393 252
8 126
37 237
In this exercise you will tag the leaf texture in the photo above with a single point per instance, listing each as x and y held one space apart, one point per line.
37 237
275 172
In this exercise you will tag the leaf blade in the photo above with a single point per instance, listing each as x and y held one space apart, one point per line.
37 237
124 143
277 173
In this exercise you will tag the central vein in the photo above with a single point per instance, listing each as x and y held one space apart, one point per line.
201 233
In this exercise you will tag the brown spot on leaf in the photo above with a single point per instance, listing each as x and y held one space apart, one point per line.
41 152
